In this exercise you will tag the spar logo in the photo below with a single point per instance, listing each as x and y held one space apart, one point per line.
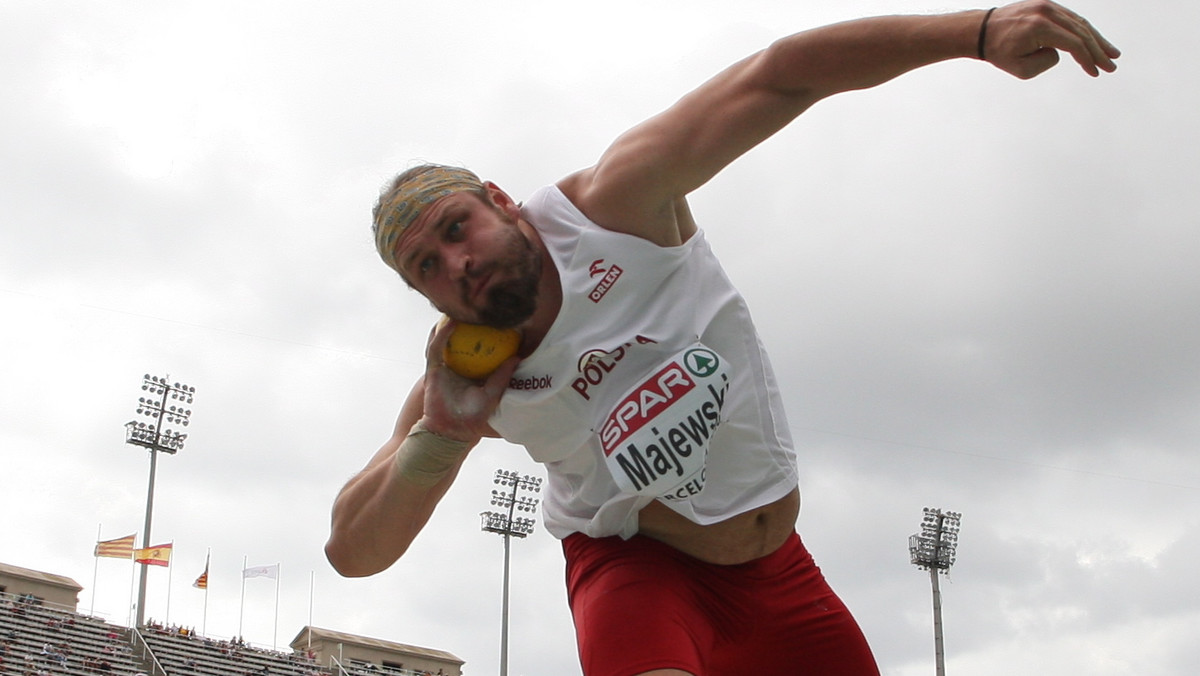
610 277
656 437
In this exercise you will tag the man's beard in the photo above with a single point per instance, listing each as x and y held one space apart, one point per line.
511 302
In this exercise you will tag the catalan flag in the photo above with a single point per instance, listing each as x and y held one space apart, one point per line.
202 581
121 548
158 555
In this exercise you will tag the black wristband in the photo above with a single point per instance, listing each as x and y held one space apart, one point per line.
983 35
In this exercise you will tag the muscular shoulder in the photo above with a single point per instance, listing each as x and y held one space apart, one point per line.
625 206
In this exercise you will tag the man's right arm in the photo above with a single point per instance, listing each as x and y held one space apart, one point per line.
379 512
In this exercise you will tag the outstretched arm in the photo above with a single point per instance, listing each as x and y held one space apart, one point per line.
639 183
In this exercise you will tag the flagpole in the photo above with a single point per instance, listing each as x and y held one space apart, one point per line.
311 574
95 571
170 568
204 617
275 636
132 576
242 605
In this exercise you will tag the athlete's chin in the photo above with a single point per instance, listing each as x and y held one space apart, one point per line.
509 307
505 318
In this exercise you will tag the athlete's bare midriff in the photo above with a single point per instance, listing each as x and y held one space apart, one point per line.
738 539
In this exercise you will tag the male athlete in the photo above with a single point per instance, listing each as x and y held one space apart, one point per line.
640 382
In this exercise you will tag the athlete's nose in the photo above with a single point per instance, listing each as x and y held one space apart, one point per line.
459 264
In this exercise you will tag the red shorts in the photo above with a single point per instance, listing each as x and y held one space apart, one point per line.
641 605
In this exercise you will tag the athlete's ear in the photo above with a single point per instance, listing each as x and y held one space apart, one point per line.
502 201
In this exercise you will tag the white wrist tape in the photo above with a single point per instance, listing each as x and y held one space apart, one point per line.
425 457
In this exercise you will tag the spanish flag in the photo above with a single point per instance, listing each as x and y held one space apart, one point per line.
121 548
158 555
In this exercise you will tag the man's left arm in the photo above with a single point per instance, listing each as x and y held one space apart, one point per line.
639 183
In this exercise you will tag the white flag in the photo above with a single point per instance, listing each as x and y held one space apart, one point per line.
271 571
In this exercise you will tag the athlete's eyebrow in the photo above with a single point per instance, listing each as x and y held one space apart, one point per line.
406 261
435 228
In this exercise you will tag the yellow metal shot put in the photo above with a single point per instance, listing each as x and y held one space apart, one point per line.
474 351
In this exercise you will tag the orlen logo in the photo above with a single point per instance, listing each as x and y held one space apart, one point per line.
611 275
595 364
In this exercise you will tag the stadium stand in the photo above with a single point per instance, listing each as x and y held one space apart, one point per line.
182 653
43 634
40 640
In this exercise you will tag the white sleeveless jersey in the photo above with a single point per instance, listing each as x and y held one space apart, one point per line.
650 385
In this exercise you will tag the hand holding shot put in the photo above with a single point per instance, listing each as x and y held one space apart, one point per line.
639 380
468 367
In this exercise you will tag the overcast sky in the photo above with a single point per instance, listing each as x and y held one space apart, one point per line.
980 294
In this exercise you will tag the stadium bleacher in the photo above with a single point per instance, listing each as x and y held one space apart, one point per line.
43 641
182 653
42 633
36 639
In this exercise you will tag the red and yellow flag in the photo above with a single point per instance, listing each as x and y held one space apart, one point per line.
202 581
121 548
158 555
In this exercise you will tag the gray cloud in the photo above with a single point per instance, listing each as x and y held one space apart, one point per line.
978 294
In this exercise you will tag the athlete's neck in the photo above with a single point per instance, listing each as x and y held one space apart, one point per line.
549 301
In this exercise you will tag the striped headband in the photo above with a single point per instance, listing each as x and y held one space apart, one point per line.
408 197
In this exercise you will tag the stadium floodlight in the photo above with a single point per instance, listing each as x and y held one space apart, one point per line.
507 524
156 437
934 549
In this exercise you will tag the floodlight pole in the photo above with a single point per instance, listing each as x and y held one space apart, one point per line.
508 526
934 549
155 438
939 647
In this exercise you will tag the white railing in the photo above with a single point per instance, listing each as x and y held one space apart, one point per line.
138 640
333 662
